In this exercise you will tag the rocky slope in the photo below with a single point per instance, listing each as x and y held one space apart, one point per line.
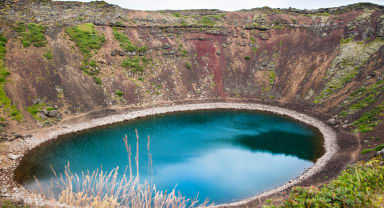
62 59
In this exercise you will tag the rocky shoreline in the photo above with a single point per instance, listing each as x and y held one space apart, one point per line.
16 192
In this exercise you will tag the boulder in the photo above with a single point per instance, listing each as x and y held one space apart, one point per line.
115 52
54 114
36 101
331 121
166 46
42 115
13 157
243 35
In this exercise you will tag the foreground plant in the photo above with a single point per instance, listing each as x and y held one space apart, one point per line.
361 185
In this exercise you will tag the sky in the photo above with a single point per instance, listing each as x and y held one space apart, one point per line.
231 5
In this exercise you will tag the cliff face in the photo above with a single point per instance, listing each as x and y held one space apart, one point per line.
66 58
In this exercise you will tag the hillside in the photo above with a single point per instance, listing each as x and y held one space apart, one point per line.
62 62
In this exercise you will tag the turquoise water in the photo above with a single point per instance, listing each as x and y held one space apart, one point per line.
222 155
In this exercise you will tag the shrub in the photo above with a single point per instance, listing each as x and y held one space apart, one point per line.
119 93
379 147
188 65
247 58
97 80
48 54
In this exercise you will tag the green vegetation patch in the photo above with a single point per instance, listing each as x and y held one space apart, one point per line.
126 44
272 77
37 109
86 38
377 148
89 42
361 185
182 51
97 80
345 41
31 34
119 93
370 119
362 98
188 65
176 14
48 54
135 64
345 67
5 101
211 20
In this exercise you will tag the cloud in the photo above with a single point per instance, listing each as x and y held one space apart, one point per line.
231 5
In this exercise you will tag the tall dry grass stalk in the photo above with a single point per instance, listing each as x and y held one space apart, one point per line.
107 190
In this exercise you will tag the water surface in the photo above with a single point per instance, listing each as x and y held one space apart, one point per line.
222 155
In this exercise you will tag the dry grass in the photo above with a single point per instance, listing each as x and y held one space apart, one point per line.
107 189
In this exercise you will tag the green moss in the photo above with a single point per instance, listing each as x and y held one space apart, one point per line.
211 20
86 38
34 110
361 185
119 93
366 151
247 57
134 64
188 65
272 77
97 80
5 101
370 119
89 42
253 40
126 44
344 68
318 14
176 14
278 27
363 97
345 41
31 34
183 52
48 54
379 147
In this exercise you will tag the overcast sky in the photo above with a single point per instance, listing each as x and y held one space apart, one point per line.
231 5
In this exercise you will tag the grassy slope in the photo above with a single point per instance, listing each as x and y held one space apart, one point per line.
361 185
6 103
